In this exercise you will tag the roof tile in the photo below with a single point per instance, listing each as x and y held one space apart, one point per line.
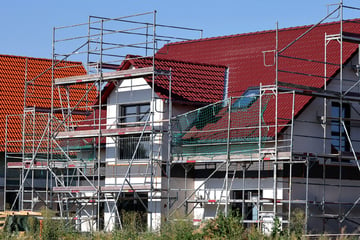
243 55
14 70
190 82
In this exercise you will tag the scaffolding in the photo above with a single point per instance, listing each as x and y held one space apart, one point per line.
93 163
231 137
339 94
229 146
63 154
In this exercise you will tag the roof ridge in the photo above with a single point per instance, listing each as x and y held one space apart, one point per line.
260 32
182 61
35 58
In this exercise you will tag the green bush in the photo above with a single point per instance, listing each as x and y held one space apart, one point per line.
297 223
33 226
253 233
179 230
224 227
133 227
277 231
51 229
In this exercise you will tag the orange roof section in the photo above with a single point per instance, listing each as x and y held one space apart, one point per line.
14 71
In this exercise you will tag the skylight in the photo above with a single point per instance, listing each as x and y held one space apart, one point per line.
247 99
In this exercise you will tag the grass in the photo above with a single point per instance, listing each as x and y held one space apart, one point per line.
229 228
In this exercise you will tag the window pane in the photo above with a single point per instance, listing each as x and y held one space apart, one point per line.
129 119
335 110
144 112
134 113
143 117
130 110
127 147
144 108
337 127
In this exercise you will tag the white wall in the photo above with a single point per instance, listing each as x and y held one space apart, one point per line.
309 121
212 190
134 91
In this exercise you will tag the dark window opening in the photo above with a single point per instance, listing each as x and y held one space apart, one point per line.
250 208
133 207
10 199
339 140
127 147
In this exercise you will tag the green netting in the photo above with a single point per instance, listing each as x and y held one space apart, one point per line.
208 130
16 223
34 140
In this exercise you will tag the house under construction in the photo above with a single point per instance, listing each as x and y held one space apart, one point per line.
261 123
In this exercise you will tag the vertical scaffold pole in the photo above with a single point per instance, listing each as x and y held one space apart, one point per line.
168 162
307 194
5 165
99 124
341 109
152 126
21 198
243 191
226 211
291 157
276 118
51 132
259 160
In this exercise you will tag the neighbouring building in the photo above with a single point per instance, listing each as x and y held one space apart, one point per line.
25 118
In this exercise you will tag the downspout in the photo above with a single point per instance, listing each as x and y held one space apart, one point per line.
226 84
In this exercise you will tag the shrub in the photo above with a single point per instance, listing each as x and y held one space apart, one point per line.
33 226
297 223
179 230
277 232
132 226
51 229
253 233
224 227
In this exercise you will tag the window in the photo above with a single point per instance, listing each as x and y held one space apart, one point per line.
247 99
340 144
250 208
127 146
134 113
132 145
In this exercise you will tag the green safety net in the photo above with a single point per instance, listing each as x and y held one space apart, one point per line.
235 125
34 142
16 223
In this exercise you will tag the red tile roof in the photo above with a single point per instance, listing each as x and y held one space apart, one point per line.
210 124
13 72
243 54
244 123
192 83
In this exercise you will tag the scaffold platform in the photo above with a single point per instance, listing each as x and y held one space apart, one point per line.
106 76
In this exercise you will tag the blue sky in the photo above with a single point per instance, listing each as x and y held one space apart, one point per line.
26 25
